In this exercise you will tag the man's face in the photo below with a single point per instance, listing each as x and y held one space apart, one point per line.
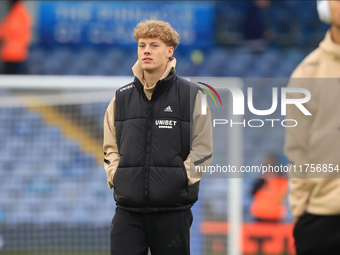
335 12
153 54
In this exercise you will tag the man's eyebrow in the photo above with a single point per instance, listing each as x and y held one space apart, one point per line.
150 42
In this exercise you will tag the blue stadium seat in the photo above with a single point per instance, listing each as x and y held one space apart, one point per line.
217 202
36 60
217 62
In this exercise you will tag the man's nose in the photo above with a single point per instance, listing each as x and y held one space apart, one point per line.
147 50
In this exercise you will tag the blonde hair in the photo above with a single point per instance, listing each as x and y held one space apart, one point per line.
157 28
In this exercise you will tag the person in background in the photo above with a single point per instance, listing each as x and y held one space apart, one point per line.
269 195
315 202
255 31
15 37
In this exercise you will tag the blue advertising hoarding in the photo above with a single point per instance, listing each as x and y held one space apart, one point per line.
112 22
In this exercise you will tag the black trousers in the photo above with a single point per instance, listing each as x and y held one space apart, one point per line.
165 233
317 235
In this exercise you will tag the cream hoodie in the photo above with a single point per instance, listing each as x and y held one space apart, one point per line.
316 138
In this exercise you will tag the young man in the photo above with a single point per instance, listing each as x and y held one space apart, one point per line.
153 134
315 202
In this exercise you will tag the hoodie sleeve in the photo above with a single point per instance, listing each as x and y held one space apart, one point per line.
111 154
202 142
297 143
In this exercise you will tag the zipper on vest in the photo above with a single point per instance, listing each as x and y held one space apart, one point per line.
147 160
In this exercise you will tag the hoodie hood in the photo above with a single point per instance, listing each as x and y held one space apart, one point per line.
329 46
138 73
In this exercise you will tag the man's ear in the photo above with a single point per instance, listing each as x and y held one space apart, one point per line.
170 51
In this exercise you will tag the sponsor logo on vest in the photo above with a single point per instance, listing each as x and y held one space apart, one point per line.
127 87
165 123
168 109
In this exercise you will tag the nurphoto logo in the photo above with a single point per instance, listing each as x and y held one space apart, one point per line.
204 97
240 101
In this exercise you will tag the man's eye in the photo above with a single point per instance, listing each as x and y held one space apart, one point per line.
155 45
141 46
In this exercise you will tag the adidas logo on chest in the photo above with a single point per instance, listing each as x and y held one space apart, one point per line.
168 109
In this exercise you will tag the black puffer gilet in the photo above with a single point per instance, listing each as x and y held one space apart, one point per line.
153 139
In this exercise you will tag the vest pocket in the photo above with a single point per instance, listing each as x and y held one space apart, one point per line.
129 187
165 186
189 195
